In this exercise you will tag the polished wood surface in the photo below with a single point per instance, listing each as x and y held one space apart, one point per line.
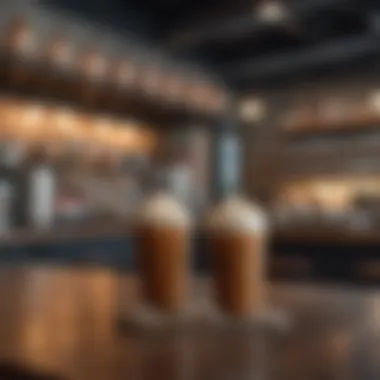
62 321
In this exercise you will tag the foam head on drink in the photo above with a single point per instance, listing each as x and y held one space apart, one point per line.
237 232
163 230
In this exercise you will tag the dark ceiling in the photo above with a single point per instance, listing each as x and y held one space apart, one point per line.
242 45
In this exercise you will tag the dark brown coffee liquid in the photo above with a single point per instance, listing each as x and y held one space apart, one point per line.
163 263
239 273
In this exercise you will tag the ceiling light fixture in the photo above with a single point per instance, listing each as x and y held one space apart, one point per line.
252 110
272 11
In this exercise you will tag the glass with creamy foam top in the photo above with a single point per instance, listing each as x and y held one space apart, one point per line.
163 230
237 233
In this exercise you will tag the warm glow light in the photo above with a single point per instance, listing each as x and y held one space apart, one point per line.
129 137
252 110
57 125
124 136
272 11
117 138
8 114
147 140
31 121
374 101
64 120
333 194
101 127
95 65
31 115
82 130
60 52
22 39
101 133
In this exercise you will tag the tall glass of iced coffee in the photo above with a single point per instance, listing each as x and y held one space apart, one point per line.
163 232
237 233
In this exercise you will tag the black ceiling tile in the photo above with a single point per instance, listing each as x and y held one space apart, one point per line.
226 31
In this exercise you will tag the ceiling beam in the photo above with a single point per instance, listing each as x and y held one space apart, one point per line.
240 25
334 53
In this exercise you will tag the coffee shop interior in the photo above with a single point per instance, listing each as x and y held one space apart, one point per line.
272 106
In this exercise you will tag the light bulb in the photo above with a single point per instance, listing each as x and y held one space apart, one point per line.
272 11
252 110
60 53
22 39
95 65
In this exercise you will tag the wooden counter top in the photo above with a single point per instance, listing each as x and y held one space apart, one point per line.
62 321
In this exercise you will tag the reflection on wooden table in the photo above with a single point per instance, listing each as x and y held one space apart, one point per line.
62 320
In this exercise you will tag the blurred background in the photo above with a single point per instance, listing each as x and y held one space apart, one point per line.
104 101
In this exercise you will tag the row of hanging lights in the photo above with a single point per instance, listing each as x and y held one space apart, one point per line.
98 73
